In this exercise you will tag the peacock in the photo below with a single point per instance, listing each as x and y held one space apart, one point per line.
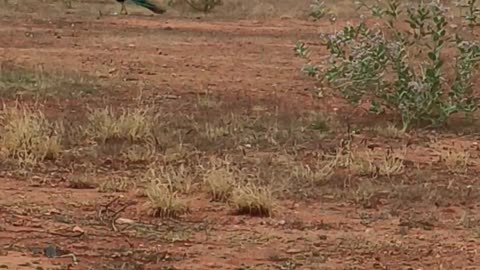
143 3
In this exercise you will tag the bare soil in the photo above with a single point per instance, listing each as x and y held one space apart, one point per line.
427 218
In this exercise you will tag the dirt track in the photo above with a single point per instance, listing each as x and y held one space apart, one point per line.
246 58
252 62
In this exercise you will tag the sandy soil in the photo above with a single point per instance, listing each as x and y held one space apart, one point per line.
159 58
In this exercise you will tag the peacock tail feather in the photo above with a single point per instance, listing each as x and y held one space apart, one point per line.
149 5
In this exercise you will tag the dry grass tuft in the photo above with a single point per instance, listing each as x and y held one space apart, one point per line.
252 200
220 183
164 202
28 137
133 125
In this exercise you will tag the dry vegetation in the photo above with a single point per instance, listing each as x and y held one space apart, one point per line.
145 142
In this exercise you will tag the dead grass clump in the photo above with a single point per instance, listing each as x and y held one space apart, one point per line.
178 178
319 173
357 163
389 131
456 160
220 183
363 166
195 5
28 137
371 164
81 182
140 153
252 200
164 202
366 194
204 5
229 126
131 125
391 165
116 185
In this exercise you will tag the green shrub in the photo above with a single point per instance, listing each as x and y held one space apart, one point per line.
400 66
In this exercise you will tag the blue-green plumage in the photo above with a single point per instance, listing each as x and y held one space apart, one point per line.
143 3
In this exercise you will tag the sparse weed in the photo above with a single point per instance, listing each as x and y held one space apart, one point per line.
68 4
251 199
402 71
28 137
229 126
362 164
318 174
216 132
140 153
16 78
318 10
83 181
366 164
204 5
116 185
457 161
472 14
20 81
390 165
366 194
206 102
389 131
131 125
178 178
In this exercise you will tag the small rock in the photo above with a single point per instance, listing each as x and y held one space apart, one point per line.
294 251
78 229
51 251
53 211
124 221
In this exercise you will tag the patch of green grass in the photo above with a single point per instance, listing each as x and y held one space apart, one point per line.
21 81
401 66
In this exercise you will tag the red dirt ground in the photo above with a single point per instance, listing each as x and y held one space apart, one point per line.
153 57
